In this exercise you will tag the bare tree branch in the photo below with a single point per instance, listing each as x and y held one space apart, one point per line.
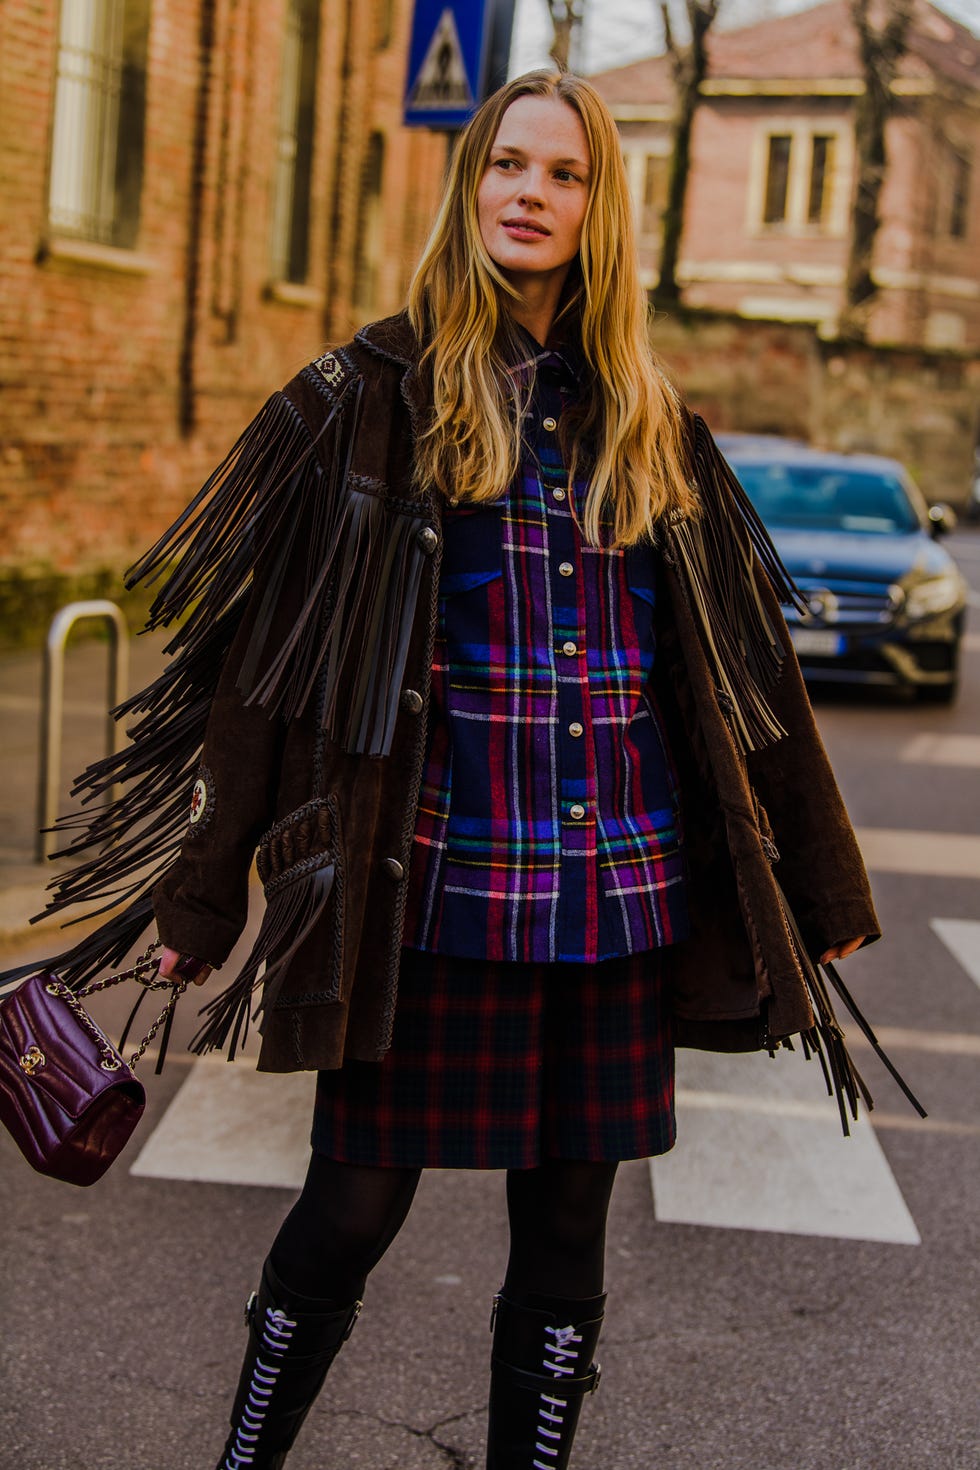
566 18
673 50
881 51
689 65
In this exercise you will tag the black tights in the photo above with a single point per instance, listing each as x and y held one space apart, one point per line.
348 1215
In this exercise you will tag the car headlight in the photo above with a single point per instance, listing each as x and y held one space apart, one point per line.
933 595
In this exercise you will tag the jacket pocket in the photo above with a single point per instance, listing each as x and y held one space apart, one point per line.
300 862
638 853
473 549
470 604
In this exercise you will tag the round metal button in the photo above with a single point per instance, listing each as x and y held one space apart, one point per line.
394 869
569 648
576 729
428 540
566 569
558 493
412 701
577 811
549 423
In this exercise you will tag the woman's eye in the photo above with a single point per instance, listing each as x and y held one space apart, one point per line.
504 163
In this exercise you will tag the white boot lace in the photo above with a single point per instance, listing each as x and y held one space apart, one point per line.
560 1358
277 1332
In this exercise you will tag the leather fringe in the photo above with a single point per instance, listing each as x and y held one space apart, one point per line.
295 901
212 548
716 552
377 593
245 516
825 1039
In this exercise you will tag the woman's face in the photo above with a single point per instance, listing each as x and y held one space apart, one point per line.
533 196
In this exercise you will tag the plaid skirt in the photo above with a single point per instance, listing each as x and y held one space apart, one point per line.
498 1065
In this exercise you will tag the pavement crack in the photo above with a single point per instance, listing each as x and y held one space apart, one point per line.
456 1458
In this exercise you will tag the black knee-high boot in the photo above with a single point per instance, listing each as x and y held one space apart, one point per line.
540 1370
292 1342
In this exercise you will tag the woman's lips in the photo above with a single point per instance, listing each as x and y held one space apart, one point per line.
524 230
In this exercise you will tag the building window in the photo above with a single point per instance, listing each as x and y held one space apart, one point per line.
821 173
294 143
384 21
99 120
369 240
777 178
799 180
959 195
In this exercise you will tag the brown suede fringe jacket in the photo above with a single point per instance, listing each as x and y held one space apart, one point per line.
292 718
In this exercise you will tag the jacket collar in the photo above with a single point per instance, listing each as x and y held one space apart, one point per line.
393 339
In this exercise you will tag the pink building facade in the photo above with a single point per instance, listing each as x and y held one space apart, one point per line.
767 220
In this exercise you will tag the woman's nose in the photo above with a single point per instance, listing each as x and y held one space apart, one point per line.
530 194
532 187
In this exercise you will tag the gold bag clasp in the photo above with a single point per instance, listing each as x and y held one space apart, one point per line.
33 1060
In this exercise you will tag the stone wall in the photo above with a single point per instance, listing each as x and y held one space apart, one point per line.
918 406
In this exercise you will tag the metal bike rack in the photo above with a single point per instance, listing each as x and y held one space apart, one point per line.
53 703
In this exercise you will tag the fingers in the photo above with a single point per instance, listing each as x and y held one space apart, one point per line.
842 950
189 967
176 966
168 958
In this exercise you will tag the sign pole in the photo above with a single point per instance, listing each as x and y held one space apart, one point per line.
500 33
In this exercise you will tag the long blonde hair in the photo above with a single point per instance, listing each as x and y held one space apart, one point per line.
631 429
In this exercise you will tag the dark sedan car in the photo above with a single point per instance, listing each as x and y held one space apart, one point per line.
886 601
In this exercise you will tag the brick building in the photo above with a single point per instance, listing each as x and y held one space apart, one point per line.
195 196
767 218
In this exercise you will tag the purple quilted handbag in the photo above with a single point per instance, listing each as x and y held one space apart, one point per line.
67 1098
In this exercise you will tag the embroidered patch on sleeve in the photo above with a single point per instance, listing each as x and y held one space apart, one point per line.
202 801
331 369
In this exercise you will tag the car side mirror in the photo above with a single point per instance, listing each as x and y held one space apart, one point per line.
942 519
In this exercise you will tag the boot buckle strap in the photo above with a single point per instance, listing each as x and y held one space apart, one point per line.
541 1383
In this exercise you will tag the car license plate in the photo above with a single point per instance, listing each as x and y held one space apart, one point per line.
819 642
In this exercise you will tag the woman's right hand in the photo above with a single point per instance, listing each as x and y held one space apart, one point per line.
177 966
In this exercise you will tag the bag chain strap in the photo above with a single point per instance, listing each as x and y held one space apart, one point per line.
111 1061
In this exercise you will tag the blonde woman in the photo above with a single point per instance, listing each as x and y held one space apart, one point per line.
494 676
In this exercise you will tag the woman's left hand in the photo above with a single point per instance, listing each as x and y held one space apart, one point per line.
841 951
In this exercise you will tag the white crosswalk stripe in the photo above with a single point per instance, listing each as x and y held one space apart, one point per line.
229 1124
760 1148
929 854
962 937
942 750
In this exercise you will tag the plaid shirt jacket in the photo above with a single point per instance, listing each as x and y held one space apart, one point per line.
548 825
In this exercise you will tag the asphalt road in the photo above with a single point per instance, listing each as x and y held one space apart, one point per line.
747 1329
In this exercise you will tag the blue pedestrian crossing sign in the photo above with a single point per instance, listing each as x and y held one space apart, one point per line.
446 61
